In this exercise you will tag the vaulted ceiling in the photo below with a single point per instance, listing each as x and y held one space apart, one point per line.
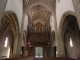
9 23
39 13
27 2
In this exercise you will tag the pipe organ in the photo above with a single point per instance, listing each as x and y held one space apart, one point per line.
38 36
39 28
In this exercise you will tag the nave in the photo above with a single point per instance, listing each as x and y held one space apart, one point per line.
44 29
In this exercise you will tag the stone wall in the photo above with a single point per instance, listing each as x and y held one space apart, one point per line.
76 4
5 51
2 8
15 6
71 52
62 7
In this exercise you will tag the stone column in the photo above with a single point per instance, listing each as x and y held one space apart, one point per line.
52 45
76 4
76 43
18 40
60 47
58 40
17 46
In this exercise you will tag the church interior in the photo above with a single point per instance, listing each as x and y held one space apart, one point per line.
39 29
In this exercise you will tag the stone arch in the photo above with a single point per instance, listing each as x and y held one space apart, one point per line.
66 28
8 23
14 24
64 15
63 18
16 19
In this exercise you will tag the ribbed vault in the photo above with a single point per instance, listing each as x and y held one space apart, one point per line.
9 22
10 28
70 30
27 2
70 25
39 13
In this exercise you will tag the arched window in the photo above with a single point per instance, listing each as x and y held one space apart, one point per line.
6 42
71 43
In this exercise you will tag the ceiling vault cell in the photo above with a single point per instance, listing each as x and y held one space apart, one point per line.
38 13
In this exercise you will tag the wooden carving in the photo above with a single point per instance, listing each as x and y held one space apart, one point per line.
38 25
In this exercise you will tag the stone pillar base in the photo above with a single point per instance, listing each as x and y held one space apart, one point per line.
17 55
60 55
